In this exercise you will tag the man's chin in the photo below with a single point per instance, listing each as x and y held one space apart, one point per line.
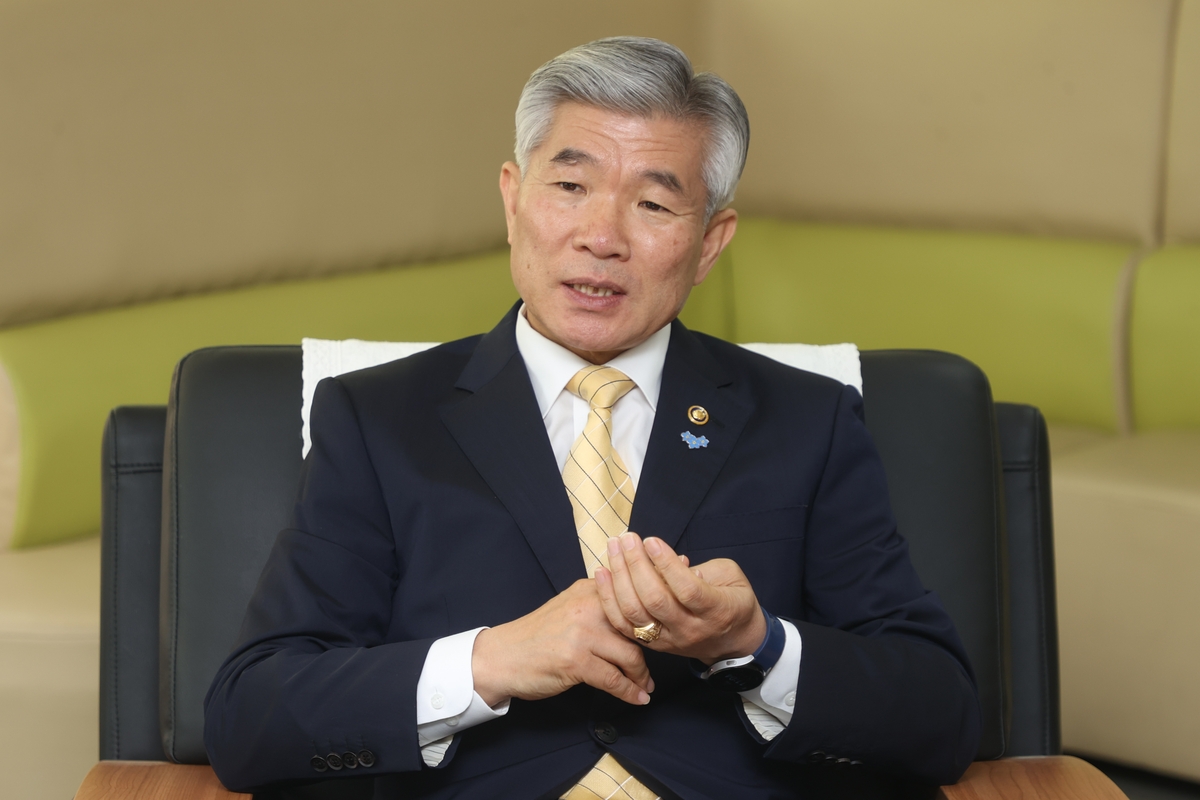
598 349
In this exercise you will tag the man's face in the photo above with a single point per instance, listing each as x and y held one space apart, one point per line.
607 228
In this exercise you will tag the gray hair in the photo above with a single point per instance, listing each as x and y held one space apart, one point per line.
644 78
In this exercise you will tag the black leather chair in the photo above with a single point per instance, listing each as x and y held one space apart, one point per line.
194 495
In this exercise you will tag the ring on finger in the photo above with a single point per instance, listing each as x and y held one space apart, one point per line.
647 633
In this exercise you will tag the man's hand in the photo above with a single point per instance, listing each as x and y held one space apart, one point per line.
565 642
708 612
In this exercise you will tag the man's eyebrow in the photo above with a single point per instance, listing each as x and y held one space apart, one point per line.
665 179
569 156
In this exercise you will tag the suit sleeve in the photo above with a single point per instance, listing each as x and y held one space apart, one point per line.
311 673
884 679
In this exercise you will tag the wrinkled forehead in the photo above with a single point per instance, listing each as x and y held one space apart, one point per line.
669 149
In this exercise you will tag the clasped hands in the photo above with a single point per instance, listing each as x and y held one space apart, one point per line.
586 633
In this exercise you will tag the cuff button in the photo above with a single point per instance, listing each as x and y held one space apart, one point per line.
334 761
816 757
349 760
366 758
318 763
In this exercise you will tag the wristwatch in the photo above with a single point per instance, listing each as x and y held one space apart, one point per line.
747 672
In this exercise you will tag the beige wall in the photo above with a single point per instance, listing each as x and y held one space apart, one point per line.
1025 116
152 147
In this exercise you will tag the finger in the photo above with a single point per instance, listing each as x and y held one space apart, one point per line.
608 602
604 676
626 656
655 595
684 559
628 600
692 592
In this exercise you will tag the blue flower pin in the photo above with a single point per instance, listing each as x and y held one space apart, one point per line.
694 442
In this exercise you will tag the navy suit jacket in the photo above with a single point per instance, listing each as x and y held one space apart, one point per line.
431 503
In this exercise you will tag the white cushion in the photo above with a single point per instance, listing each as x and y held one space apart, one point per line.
325 358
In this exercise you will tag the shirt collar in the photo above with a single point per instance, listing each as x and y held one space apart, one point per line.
551 365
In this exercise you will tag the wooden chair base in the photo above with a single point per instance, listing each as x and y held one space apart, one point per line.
1034 778
1042 778
147 780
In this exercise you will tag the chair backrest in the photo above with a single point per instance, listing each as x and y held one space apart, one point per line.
231 467
932 418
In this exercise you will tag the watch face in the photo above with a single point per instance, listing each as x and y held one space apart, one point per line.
738 679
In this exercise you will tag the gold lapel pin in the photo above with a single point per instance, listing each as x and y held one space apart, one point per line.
698 415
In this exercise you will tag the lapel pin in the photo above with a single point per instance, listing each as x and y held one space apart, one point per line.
694 442
698 415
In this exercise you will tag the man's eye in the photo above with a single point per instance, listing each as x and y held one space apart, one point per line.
570 187
652 206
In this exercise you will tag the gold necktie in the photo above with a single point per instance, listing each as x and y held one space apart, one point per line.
609 779
601 493
598 484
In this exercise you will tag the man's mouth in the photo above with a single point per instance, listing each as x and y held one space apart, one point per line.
593 291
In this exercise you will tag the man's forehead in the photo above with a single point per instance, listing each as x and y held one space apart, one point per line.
670 137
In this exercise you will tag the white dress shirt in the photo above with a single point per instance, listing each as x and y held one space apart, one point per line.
446 698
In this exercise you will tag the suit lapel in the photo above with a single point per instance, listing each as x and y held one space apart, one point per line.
499 429
675 479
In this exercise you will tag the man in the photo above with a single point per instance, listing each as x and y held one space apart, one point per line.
460 604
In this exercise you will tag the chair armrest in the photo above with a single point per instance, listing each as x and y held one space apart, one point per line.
147 780
1033 778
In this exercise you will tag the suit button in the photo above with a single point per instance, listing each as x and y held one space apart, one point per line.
318 763
856 764
842 763
350 760
606 732
816 757
366 758
334 761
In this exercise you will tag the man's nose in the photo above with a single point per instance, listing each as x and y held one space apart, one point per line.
603 229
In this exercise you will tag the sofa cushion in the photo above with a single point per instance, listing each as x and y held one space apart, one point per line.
1036 117
68 373
1165 340
1036 314
1127 534
49 668
1182 212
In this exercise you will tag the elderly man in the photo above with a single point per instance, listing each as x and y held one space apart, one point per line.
460 605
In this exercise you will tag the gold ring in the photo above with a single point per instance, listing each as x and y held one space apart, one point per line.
648 633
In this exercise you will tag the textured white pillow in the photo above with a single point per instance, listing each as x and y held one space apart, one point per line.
325 358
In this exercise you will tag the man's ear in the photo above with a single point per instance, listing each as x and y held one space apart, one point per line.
510 187
717 236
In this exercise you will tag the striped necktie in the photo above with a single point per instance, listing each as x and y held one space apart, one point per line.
601 493
598 484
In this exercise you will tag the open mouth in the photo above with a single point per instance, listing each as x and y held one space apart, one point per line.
593 291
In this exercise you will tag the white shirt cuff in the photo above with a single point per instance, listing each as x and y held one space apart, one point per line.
446 698
776 695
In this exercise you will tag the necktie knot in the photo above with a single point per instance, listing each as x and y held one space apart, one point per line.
600 385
